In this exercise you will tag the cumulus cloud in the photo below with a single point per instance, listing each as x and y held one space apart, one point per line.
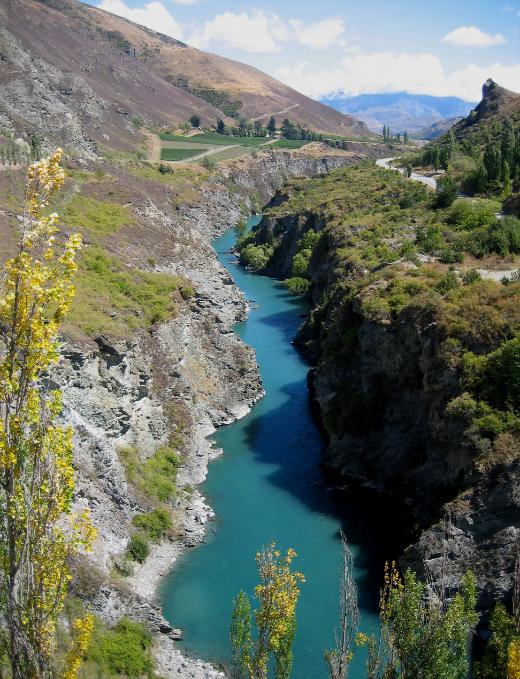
257 31
471 36
154 15
420 73
262 31
321 34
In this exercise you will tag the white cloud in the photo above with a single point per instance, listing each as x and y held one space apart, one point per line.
257 31
420 73
154 15
262 31
322 34
471 36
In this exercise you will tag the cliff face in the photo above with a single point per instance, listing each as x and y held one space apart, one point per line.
180 381
384 383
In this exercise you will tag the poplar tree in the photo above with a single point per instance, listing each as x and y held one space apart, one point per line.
38 531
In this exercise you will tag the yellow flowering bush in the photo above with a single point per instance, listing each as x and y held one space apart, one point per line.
277 594
38 532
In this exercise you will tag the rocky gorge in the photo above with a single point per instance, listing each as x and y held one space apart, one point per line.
177 383
388 385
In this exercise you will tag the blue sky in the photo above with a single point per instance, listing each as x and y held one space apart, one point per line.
350 47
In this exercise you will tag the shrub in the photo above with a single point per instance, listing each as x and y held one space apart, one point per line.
470 214
451 255
124 651
138 548
448 282
156 477
471 276
297 285
256 257
155 524
300 263
446 191
429 238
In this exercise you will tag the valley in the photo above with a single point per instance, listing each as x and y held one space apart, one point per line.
286 332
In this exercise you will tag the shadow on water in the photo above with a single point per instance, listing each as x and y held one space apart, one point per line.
269 486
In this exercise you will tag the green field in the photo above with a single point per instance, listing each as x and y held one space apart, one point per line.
217 139
289 143
181 154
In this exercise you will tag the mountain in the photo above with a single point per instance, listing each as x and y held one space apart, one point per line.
436 130
497 103
111 71
400 110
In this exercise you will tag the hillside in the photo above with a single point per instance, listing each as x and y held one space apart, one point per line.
436 130
497 104
108 72
400 111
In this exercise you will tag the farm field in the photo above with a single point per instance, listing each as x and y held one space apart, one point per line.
216 139
178 154
289 143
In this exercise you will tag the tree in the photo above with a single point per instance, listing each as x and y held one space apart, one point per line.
492 161
195 121
258 128
507 141
221 127
271 125
339 658
446 191
38 532
436 158
422 634
275 618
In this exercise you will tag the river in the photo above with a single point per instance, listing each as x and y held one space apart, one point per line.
269 486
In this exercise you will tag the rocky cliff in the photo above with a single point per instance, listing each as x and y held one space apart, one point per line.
389 342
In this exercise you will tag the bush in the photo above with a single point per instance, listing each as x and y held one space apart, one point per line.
451 255
256 257
447 283
154 524
429 238
471 276
138 548
447 191
470 214
297 285
300 263
124 651
156 477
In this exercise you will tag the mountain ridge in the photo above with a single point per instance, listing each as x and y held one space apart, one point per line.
401 110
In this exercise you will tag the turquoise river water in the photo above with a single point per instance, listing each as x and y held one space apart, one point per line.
269 486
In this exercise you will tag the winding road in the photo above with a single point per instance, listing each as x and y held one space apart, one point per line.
428 181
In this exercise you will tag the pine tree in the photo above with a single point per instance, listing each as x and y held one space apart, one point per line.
271 125
221 127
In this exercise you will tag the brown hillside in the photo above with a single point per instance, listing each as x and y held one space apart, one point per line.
61 58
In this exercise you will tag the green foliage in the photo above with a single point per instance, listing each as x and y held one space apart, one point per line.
447 191
138 548
424 637
297 286
240 635
429 238
106 286
496 376
195 120
471 276
503 632
255 257
470 214
155 478
124 651
448 282
300 262
154 524
96 217
501 237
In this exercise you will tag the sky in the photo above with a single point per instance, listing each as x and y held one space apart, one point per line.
347 47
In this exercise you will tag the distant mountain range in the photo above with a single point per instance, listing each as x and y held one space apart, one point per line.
400 111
